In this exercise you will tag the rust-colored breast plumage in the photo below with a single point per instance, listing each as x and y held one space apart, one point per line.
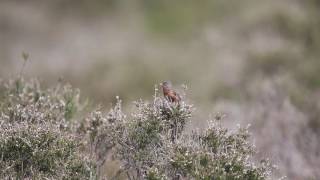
171 95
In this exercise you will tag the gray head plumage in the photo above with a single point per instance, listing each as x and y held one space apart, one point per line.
166 84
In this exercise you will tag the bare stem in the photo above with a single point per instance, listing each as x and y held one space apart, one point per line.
22 68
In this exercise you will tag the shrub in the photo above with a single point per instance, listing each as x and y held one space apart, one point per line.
41 138
152 144
37 139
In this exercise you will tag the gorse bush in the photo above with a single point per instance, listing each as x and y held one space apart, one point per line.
41 138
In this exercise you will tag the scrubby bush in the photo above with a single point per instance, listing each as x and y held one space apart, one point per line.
37 139
41 138
153 144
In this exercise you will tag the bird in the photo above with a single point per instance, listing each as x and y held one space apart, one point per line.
169 93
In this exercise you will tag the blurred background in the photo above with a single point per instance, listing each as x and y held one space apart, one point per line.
256 61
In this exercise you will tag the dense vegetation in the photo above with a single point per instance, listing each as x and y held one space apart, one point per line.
49 134
37 137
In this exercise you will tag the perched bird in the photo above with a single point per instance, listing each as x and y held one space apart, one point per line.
168 92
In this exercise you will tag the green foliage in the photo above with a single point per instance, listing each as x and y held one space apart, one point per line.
25 56
71 105
28 151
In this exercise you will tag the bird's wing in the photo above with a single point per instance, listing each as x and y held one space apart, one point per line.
171 93
174 95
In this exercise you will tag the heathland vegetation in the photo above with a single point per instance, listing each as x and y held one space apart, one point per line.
50 134
257 62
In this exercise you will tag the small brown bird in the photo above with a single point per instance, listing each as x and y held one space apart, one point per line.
168 92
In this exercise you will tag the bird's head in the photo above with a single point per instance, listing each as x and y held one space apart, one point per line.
165 84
